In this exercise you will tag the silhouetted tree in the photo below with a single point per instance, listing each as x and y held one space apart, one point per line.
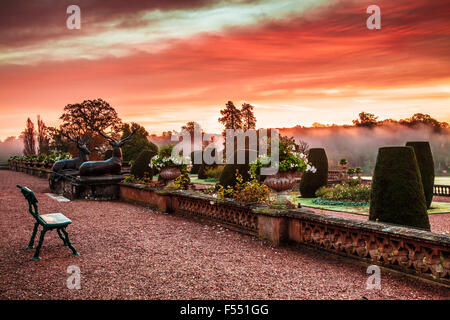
140 142
366 120
248 117
42 136
86 118
28 137
231 117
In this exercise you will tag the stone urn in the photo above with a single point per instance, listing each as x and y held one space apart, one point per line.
169 174
281 182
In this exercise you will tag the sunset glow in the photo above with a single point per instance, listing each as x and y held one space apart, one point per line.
163 63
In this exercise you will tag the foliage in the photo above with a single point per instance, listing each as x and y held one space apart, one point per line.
43 137
347 191
231 117
141 165
424 158
183 181
245 191
228 176
166 151
312 181
366 120
86 119
248 117
196 166
146 179
290 160
397 194
88 116
41 158
139 143
325 202
165 159
343 162
214 172
28 137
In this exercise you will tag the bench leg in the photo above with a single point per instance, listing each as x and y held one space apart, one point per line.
38 248
74 251
33 235
61 236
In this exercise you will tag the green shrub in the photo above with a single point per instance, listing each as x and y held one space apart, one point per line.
397 194
228 176
426 166
214 173
141 164
345 192
311 181
196 167
247 192
166 151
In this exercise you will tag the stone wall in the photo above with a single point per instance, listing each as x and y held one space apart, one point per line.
411 251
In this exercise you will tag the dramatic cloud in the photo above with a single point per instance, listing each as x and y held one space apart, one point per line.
298 61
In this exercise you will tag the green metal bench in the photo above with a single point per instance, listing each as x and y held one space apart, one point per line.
48 222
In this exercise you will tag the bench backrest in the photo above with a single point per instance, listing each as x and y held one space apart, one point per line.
32 201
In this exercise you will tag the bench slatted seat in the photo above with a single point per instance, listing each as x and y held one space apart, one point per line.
48 222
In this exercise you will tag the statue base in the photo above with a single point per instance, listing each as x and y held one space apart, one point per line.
104 187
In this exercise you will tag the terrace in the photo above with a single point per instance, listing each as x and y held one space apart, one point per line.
134 252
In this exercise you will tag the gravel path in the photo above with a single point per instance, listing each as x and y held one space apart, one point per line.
131 252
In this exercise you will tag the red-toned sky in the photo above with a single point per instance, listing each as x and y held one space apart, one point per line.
162 63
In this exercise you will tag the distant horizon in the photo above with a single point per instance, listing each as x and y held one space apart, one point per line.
163 63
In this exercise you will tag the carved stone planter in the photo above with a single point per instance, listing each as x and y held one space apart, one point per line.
170 173
280 182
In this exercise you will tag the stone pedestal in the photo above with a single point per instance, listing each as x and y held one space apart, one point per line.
96 188
89 187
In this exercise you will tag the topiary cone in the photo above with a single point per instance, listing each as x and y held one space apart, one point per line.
196 166
141 164
228 175
424 158
311 182
397 193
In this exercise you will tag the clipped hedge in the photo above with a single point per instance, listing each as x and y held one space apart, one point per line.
311 182
397 194
424 158
140 166
228 176
196 167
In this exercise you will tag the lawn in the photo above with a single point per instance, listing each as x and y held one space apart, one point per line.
436 207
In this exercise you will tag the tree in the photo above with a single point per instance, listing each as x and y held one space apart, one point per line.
140 142
86 119
28 137
231 117
248 117
425 119
303 147
90 116
366 120
194 129
42 136
58 143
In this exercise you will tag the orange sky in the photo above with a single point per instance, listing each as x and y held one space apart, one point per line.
163 63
